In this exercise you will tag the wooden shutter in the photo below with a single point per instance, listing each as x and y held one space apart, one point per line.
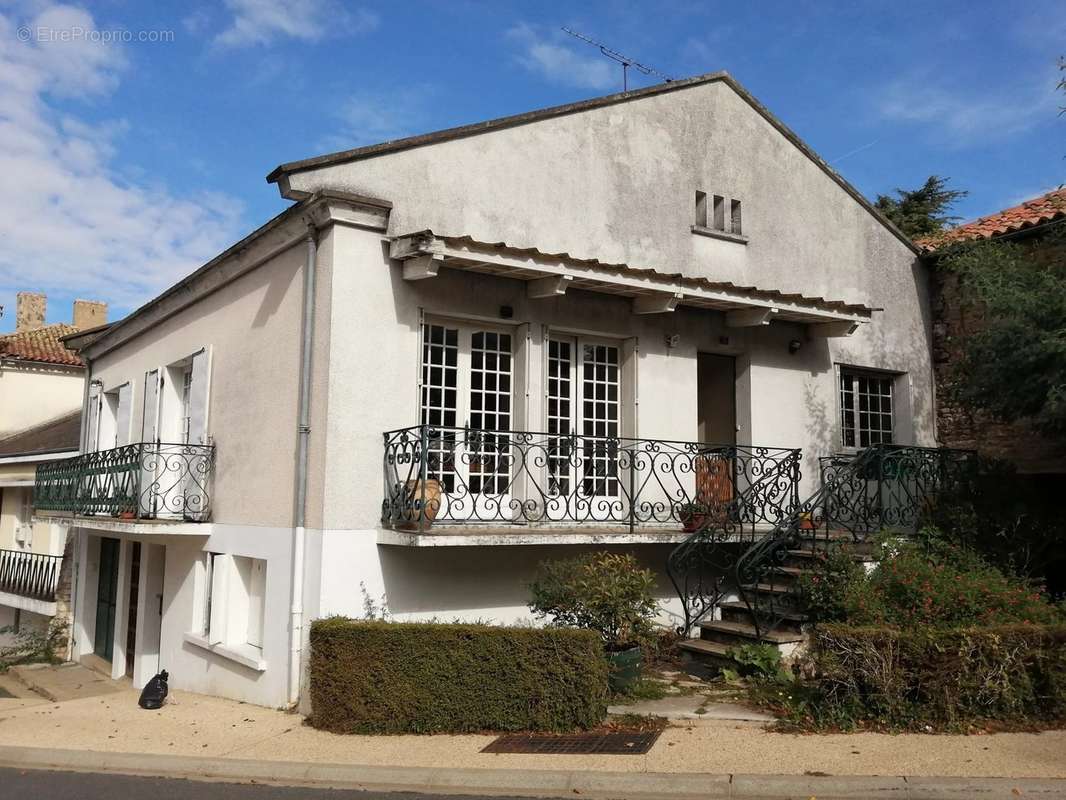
198 389
150 414
122 417
92 422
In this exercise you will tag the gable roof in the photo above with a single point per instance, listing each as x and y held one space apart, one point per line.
1038 211
56 435
279 173
41 345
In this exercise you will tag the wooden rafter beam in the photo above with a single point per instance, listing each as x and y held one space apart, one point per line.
552 286
749 317
658 303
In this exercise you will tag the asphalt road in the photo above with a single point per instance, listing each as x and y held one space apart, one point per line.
104 786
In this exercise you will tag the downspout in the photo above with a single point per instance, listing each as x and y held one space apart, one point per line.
303 435
75 571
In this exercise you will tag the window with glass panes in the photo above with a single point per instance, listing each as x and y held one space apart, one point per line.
466 401
583 397
866 408
440 392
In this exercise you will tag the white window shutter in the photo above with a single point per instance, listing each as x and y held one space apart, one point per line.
219 577
150 415
198 392
122 418
92 422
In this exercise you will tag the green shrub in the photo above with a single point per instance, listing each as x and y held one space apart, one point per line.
609 593
923 676
835 589
761 662
387 677
930 582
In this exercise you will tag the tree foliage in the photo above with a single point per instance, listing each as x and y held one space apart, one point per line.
1014 367
922 211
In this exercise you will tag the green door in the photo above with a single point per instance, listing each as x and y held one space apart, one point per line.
106 599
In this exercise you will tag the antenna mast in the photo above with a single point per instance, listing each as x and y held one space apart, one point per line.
625 61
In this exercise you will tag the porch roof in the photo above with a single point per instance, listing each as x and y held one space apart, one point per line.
652 291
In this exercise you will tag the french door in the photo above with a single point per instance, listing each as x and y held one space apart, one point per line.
584 424
467 386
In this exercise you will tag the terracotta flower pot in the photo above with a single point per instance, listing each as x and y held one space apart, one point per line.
419 504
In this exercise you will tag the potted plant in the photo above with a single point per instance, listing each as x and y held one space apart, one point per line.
609 593
418 503
693 516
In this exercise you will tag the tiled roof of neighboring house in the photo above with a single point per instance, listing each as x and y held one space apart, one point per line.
53 436
42 345
1046 208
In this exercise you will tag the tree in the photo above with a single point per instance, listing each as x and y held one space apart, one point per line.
1014 366
924 211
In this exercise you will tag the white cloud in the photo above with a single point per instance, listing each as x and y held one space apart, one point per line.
966 116
70 219
370 118
263 21
553 59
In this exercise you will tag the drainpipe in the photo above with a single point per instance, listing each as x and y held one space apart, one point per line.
303 435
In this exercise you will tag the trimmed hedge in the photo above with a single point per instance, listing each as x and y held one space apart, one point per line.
938 677
393 677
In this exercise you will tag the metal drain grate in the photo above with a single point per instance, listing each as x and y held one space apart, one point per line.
575 744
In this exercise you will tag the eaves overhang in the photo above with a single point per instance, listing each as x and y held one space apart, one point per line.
651 291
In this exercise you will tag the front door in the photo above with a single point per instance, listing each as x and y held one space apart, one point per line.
106 599
716 402
131 617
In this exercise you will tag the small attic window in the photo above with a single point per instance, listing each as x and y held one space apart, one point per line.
701 209
734 217
719 213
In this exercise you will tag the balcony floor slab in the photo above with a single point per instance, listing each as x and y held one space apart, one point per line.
502 535
147 527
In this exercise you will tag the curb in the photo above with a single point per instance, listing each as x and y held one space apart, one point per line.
533 783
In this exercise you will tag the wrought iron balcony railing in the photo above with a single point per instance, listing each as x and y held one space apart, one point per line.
135 481
33 575
458 476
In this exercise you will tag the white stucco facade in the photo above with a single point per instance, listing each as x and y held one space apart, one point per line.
615 182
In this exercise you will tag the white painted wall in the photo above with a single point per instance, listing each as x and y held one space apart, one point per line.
31 394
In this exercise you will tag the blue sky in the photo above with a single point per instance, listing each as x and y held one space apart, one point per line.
127 164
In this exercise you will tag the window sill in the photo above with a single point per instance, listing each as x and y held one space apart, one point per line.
245 655
716 234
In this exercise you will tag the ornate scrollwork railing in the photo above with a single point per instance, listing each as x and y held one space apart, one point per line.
135 481
882 488
33 575
458 476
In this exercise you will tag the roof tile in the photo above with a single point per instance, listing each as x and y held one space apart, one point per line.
1046 208
41 345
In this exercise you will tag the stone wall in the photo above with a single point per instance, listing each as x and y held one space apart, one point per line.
963 427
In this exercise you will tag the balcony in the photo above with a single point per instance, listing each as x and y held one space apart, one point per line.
31 578
462 486
129 484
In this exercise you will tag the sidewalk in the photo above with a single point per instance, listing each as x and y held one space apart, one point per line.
195 735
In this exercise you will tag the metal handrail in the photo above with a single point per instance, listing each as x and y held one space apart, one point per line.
437 475
885 487
144 480
33 575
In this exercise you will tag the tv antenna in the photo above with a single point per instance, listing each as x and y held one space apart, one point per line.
625 61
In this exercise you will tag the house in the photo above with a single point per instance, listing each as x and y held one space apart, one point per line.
41 393
1034 224
459 354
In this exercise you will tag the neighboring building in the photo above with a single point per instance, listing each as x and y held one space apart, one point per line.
42 386
1029 225
545 317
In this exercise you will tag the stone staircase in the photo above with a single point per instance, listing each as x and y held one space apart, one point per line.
735 622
